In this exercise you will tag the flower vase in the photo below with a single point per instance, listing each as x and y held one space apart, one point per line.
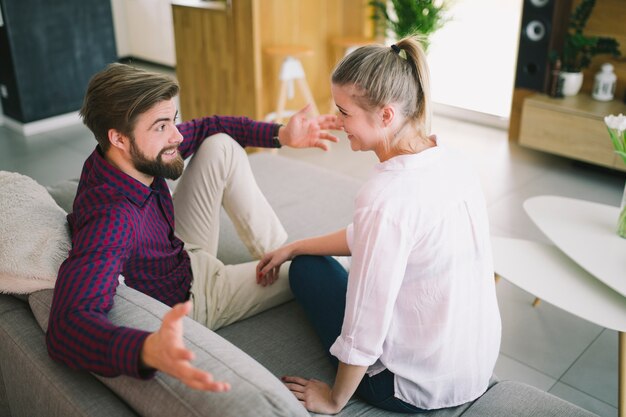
621 222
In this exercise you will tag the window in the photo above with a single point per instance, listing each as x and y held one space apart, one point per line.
472 58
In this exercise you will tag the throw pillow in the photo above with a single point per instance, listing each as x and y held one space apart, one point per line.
35 235
63 193
255 391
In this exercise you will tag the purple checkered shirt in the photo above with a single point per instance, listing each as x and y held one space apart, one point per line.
120 226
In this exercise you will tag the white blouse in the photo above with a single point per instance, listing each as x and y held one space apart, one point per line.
421 295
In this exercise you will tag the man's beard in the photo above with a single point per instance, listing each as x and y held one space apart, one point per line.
156 167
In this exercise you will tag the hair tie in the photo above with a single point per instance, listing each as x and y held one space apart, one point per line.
399 51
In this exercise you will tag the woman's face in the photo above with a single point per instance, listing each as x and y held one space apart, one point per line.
363 128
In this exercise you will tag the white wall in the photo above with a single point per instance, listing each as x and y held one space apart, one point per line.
144 29
472 58
119 25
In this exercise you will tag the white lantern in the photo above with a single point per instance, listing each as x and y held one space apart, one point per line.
604 84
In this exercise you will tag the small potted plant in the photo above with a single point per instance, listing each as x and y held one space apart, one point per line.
579 49
409 17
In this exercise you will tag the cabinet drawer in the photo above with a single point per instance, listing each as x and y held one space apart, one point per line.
566 134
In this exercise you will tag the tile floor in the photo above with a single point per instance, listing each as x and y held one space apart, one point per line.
544 346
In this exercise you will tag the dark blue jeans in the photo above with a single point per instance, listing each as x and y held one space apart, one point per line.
319 284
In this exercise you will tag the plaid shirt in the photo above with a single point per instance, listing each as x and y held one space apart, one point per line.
120 226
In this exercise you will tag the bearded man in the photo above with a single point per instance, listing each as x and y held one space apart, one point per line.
122 224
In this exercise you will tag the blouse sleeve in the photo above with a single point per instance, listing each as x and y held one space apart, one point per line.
380 249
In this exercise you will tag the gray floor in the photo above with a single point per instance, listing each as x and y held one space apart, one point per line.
542 346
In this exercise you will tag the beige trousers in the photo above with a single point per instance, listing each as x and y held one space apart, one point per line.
219 174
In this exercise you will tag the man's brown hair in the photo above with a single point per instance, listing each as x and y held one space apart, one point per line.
118 94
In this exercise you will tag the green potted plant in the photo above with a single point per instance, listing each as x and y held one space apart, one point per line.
409 17
579 49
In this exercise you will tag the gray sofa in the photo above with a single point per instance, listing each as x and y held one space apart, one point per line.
250 354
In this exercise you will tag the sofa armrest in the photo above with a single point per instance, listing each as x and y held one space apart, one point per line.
36 386
255 391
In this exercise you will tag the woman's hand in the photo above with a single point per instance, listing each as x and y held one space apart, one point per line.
269 266
315 395
318 397
331 244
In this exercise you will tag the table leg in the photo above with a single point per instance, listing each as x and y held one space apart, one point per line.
621 385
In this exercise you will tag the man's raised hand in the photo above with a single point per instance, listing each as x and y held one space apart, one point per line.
304 132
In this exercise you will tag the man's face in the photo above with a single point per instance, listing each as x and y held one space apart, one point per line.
155 140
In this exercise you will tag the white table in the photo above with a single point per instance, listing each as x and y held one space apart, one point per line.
583 273
586 232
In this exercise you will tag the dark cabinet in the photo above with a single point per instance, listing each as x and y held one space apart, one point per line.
48 52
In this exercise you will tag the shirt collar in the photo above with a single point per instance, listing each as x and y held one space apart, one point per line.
134 190
411 161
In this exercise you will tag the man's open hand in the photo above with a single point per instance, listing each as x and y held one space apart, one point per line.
165 351
304 132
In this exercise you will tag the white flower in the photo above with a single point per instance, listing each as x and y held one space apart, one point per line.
616 122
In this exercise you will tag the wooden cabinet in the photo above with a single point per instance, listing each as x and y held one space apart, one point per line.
221 66
572 126
606 19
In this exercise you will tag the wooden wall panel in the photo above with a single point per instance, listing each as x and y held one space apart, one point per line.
199 75
356 18
221 64
248 78
313 24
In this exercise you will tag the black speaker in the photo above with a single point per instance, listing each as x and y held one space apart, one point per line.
48 52
544 23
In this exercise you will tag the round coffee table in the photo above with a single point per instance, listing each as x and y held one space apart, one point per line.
583 273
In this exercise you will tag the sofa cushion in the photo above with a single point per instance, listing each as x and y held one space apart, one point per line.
516 399
255 391
282 340
35 236
64 193
309 201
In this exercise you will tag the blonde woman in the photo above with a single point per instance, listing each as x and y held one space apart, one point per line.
415 324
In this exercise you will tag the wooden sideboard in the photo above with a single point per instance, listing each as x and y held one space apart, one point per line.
220 63
572 126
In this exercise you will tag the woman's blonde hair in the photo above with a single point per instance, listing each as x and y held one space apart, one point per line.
384 75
